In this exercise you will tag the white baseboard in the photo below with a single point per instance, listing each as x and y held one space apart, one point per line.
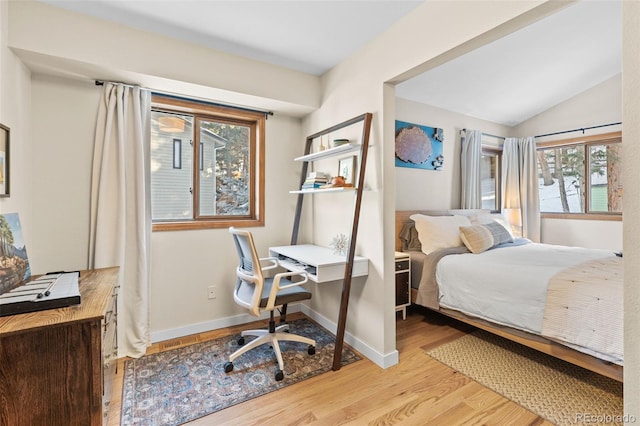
174 333
381 360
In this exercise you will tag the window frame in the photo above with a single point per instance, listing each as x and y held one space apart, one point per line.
585 142
201 110
495 151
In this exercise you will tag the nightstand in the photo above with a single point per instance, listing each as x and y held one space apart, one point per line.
403 282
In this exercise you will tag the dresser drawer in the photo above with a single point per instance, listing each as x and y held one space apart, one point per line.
402 265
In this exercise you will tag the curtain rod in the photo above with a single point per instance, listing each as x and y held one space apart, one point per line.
579 130
488 134
493 136
169 95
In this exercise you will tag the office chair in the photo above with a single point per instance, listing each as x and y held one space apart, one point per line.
257 293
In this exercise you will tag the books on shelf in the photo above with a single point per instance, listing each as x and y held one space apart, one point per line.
315 180
313 175
313 185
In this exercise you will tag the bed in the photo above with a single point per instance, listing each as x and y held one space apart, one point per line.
563 301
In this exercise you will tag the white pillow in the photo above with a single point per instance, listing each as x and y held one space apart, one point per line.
439 232
483 219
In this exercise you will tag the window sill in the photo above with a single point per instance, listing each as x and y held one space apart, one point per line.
204 224
616 217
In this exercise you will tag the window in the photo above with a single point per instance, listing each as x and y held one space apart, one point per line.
490 177
206 165
581 176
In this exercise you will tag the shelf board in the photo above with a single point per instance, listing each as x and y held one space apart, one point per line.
338 150
316 191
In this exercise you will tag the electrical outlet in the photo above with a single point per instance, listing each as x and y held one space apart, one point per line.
212 291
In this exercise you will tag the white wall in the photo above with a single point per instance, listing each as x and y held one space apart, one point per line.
63 127
436 190
15 113
602 104
599 105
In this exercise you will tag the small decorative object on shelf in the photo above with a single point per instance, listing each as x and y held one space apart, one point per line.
339 142
322 147
336 182
339 244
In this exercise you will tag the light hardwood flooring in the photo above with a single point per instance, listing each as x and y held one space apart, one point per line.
417 391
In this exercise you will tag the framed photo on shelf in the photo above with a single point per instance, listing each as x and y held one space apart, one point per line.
346 169
4 161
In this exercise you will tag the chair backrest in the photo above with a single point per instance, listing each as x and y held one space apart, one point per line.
248 289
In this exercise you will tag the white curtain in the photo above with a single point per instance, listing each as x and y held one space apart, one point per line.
471 154
120 207
520 183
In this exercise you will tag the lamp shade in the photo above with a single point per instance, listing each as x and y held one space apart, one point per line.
171 124
513 216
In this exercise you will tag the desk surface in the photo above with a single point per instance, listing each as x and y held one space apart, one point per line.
320 262
313 255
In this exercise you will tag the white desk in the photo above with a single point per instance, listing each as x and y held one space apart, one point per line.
320 262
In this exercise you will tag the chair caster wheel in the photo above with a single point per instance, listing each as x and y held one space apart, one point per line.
311 350
228 367
241 341
279 375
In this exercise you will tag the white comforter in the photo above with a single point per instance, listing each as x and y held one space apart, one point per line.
508 285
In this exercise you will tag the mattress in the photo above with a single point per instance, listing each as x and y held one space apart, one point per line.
508 286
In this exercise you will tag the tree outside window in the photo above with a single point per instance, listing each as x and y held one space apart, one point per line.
581 178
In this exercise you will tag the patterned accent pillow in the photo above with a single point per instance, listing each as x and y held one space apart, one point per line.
479 238
483 219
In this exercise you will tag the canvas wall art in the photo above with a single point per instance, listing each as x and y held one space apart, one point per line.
419 146
14 263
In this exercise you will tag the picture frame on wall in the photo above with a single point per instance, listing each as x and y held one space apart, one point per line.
346 168
4 160
419 146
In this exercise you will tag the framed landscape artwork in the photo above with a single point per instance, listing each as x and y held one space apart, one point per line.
4 161
419 146
14 262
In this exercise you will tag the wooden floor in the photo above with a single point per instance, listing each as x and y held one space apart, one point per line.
417 391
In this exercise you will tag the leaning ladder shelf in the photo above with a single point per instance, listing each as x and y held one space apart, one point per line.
308 156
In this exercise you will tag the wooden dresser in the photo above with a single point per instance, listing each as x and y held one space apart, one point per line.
54 364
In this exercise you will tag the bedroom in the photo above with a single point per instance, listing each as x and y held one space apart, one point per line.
343 97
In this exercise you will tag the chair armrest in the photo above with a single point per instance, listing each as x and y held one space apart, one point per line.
275 287
273 260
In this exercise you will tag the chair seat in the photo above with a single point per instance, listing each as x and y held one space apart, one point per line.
284 296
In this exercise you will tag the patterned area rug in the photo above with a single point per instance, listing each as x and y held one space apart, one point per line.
180 385
561 393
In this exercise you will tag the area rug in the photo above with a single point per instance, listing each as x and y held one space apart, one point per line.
180 385
555 390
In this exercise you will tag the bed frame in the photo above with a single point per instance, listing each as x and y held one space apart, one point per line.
533 341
